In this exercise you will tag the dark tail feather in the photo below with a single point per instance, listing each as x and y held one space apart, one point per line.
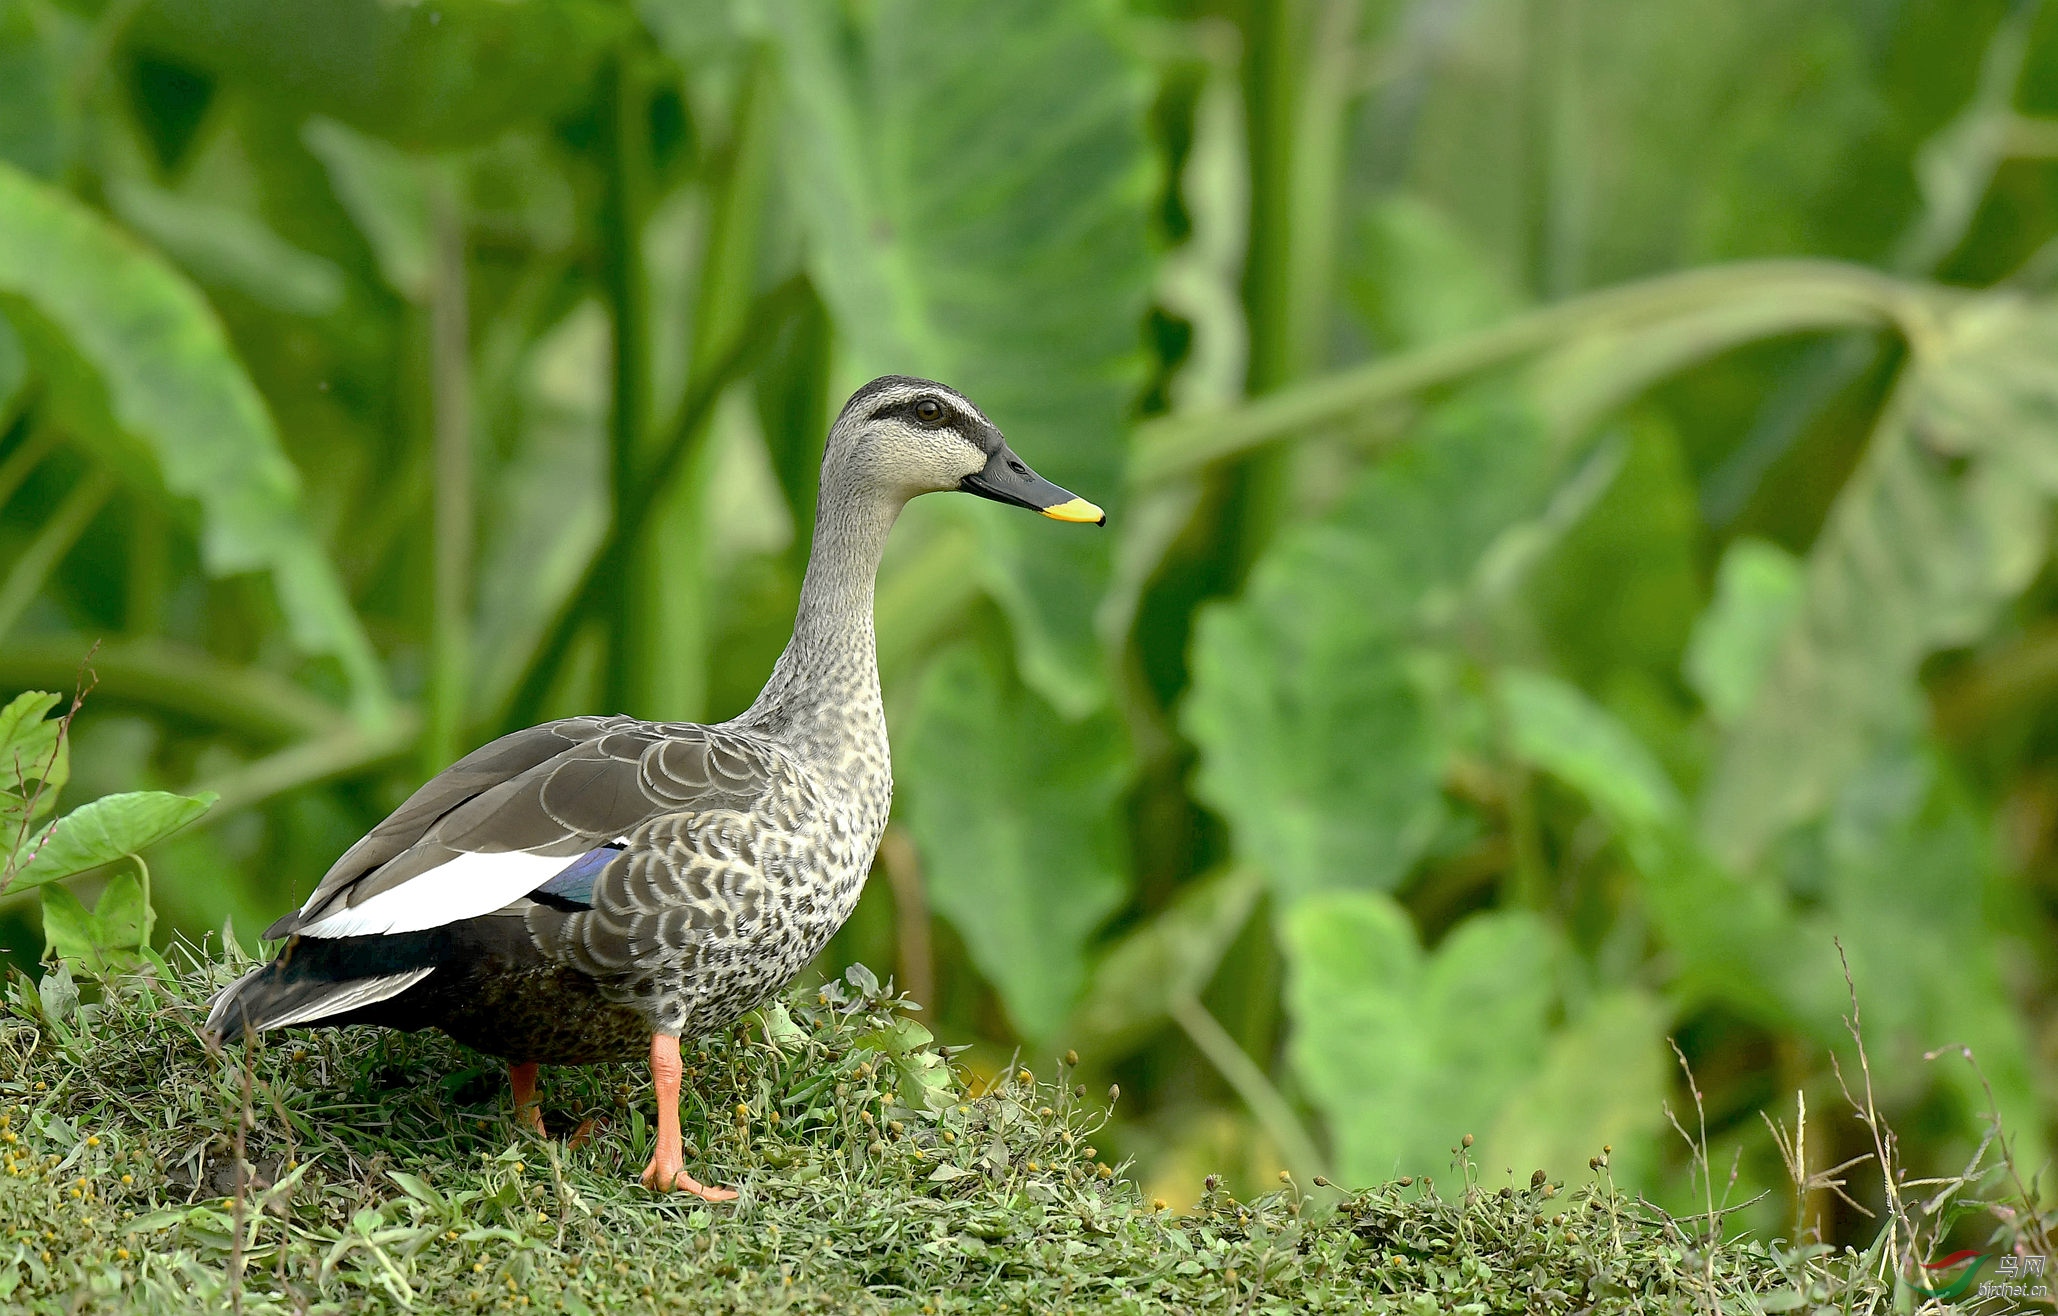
267 997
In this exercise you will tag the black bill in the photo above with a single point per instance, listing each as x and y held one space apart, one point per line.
1008 479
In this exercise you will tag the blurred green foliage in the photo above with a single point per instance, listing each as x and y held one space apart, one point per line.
1578 471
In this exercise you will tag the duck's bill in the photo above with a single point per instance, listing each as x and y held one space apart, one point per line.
1008 479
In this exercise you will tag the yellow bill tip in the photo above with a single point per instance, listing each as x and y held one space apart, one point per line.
1077 510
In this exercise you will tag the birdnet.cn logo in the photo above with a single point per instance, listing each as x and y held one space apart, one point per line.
1957 1276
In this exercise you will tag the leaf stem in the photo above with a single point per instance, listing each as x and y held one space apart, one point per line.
1787 296
915 959
667 575
772 309
41 441
149 911
188 683
349 750
55 539
450 390
1250 1083
627 151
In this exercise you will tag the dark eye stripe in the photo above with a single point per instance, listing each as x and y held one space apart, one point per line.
906 410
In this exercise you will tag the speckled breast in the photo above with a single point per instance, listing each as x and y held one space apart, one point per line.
709 912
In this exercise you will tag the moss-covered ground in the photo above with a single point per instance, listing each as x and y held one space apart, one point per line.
386 1172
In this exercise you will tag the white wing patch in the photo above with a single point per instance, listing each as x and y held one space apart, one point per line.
474 883
350 995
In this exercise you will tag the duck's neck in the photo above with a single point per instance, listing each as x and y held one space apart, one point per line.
823 694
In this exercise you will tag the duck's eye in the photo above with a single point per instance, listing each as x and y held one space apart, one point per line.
930 412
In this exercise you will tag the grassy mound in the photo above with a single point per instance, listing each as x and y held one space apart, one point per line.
385 1172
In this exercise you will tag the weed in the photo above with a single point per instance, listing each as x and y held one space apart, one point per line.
365 1171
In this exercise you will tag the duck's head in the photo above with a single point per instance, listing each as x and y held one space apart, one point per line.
902 437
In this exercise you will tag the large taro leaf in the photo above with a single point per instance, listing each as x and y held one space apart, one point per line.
1736 941
1313 697
1602 1084
1757 592
1897 868
229 248
1686 131
452 73
1908 867
39 48
1617 598
1014 810
1942 522
142 370
1406 1052
974 181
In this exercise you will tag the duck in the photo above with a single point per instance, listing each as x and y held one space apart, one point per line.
595 889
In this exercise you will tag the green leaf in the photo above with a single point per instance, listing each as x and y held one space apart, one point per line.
39 49
387 195
14 367
1757 593
1617 597
454 73
177 406
1333 650
1403 1052
35 761
1014 811
1174 955
106 938
58 994
1737 941
110 828
230 248
780 1030
1907 867
975 182
923 1077
1603 1083
1943 521
1553 726
1416 278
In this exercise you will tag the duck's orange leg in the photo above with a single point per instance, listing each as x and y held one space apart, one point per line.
522 1078
666 1170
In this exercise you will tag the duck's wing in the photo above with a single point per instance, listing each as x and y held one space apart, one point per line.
542 808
